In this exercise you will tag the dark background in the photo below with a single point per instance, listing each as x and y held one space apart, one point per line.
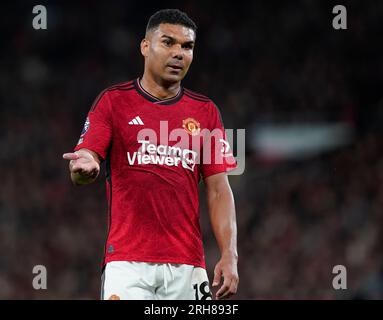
262 62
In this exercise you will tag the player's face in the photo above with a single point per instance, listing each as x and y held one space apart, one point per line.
168 51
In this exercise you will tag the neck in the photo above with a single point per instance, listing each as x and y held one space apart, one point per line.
159 88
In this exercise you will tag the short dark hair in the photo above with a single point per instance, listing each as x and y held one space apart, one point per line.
172 16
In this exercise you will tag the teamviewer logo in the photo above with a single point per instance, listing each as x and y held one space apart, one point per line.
176 148
189 159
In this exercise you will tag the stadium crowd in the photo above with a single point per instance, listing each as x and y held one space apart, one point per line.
260 63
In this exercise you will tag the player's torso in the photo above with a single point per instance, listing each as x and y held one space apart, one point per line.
153 163
161 139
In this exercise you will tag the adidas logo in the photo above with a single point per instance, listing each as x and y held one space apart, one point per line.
137 120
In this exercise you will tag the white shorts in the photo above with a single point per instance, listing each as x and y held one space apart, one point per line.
125 280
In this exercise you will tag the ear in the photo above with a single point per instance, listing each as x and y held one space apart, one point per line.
144 47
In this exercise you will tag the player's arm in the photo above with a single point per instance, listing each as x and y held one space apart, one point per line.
221 208
94 142
84 166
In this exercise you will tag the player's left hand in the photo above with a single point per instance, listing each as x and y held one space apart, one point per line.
226 268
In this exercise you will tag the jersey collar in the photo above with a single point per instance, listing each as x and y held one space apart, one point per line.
154 99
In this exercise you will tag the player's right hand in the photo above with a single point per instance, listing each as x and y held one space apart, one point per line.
83 163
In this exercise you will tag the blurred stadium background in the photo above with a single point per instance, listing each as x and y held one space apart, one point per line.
309 97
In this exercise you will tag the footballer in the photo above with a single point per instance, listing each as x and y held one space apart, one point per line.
156 138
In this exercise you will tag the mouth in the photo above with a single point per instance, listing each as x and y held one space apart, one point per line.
175 67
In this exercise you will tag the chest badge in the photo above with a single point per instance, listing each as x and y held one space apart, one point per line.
191 126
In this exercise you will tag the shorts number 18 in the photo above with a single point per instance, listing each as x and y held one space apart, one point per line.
203 290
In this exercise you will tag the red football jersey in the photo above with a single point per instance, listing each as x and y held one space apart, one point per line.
156 151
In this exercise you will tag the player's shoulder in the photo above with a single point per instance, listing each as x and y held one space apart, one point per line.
116 88
196 96
201 100
112 91
120 87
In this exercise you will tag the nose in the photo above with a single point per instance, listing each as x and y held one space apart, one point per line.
177 52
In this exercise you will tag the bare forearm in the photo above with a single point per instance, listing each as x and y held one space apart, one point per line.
221 207
223 220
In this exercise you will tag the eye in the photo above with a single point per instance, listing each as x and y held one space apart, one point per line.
188 46
167 42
